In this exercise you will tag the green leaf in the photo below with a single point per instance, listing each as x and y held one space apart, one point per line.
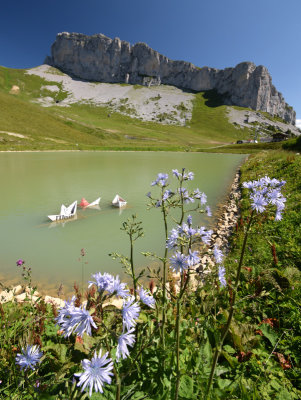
269 333
229 349
223 383
186 387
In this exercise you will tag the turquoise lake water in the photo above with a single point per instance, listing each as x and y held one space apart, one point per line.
34 185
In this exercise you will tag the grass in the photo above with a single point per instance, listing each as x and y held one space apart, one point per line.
89 127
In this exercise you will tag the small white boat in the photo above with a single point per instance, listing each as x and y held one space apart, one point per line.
85 204
118 201
65 213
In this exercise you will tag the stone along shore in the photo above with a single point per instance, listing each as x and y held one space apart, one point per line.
226 219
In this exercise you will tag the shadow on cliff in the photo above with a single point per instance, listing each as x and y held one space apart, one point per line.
214 99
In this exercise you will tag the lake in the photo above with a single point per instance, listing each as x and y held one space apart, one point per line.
35 184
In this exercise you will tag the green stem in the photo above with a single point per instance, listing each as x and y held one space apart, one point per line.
118 381
226 329
133 269
164 276
178 347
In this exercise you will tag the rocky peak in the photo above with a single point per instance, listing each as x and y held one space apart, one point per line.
99 58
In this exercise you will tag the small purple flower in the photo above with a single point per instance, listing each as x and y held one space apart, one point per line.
118 288
29 357
184 193
278 216
266 191
221 276
102 281
179 262
73 319
189 176
20 262
193 258
191 232
172 239
149 195
124 340
208 211
130 312
218 255
96 373
167 194
189 220
259 203
176 173
146 298
205 235
161 180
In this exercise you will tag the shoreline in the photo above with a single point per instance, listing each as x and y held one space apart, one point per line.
225 220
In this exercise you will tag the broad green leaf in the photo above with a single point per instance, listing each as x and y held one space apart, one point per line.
269 333
186 387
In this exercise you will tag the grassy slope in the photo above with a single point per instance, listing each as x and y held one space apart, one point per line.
91 128
270 288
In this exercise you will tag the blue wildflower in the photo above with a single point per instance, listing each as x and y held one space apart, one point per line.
208 211
102 281
189 220
167 194
193 258
218 255
118 288
125 340
205 235
130 312
75 320
146 298
80 322
189 176
221 276
172 240
29 357
184 193
161 180
176 173
259 203
179 262
97 373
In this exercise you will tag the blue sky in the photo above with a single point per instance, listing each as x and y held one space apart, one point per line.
216 33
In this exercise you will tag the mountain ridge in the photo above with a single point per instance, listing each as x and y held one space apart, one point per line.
102 59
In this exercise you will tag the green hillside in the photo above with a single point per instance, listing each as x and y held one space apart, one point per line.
90 127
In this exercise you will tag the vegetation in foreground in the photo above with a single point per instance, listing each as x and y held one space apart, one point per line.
232 333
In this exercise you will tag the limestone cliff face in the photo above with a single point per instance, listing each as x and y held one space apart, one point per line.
99 58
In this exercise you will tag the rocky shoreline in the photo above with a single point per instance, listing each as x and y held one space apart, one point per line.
226 219
227 216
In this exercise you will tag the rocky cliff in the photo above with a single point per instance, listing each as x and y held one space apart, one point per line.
99 58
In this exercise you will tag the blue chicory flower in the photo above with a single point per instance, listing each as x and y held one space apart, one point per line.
161 180
130 312
125 340
208 211
221 276
97 373
73 319
102 281
193 258
179 262
218 255
29 357
146 298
